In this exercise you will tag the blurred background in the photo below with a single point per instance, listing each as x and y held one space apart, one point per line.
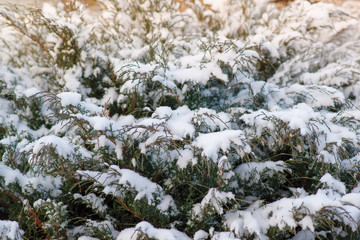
280 3
39 2
352 6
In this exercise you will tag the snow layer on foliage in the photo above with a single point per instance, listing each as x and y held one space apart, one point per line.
179 121
316 35
87 238
277 97
212 143
186 156
224 236
326 126
297 117
303 22
10 230
99 123
29 181
191 67
90 225
304 234
148 230
93 200
204 67
249 169
71 78
69 98
281 213
316 96
143 187
213 199
213 119
333 183
74 98
62 146
10 120
351 199
11 77
201 235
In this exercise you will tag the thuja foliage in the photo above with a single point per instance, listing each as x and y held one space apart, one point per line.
225 120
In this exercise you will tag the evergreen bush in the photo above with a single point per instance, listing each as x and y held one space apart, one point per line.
228 120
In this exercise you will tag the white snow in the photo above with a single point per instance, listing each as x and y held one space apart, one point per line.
297 118
87 238
69 98
95 201
27 181
212 119
224 236
280 213
351 199
307 223
129 179
10 230
304 235
179 123
201 235
62 145
212 143
333 183
213 199
71 78
186 156
151 232
31 91
246 170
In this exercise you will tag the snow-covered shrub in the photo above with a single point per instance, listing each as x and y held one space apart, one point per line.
10 230
229 120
